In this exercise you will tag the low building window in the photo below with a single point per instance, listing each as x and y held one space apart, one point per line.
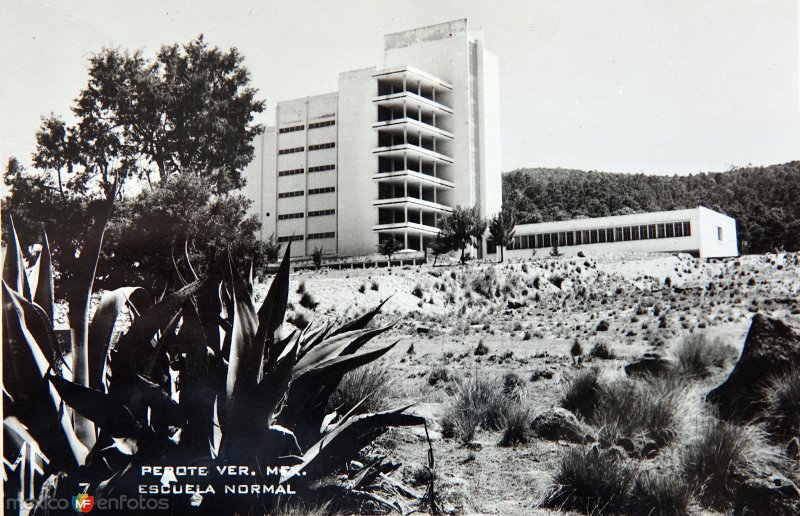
317 125
285 216
319 213
317 236
291 150
292 238
719 232
319 146
291 129
321 168
326 189
290 172
296 193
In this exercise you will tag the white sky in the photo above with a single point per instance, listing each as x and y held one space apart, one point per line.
665 86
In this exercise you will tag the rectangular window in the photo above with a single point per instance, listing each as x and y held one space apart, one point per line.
687 229
296 193
601 236
595 238
678 228
579 237
719 232
291 129
609 234
626 233
290 172
634 232
317 236
539 241
320 213
326 123
291 150
651 231
284 216
292 238
670 230
661 229
643 233
618 235
322 146
570 238
547 240
586 238
321 168
327 189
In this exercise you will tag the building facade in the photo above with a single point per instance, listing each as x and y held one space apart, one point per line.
389 153
699 231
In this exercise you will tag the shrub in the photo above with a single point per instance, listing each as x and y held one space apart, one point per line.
374 286
417 291
781 395
595 482
371 383
301 287
582 392
721 457
518 426
695 355
317 256
477 403
439 375
307 301
514 387
482 349
602 351
362 288
660 493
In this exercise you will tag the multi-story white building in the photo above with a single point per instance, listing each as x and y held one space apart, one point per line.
389 153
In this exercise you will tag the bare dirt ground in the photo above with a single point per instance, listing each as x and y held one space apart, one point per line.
528 313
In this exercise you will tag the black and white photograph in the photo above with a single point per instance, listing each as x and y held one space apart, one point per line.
362 257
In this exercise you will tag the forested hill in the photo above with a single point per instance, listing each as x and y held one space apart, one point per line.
765 201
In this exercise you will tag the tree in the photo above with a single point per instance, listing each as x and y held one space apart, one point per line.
501 229
463 227
389 247
317 256
188 111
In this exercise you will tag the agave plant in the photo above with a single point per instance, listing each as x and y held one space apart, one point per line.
200 377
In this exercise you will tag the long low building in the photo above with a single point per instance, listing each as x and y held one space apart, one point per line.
698 231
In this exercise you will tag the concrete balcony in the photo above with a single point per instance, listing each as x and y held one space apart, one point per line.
397 151
399 125
397 74
397 100
411 227
400 176
413 202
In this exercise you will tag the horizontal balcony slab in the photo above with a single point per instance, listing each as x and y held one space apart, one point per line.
411 227
396 100
398 151
415 74
399 176
399 125
413 202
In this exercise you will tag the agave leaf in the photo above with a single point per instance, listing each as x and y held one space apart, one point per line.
192 333
244 360
41 329
135 345
342 344
161 403
273 309
43 294
361 322
209 308
308 393
109 414
101 329
192 273
344 443
14 265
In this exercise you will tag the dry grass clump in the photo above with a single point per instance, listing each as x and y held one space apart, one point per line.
722 457
625 407
476 403
582 392
439 375
602 351
481 349
696 356
781 395
594 482
604 482
518 425
372 383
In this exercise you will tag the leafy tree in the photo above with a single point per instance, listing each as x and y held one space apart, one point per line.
182 216
389 247
317 256
463 227
501 229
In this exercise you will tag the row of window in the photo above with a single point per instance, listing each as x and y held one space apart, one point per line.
294 171
317 236
326 123
311 191
311 236
315 125
319 146
603 235
299 215
291 238
292 150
